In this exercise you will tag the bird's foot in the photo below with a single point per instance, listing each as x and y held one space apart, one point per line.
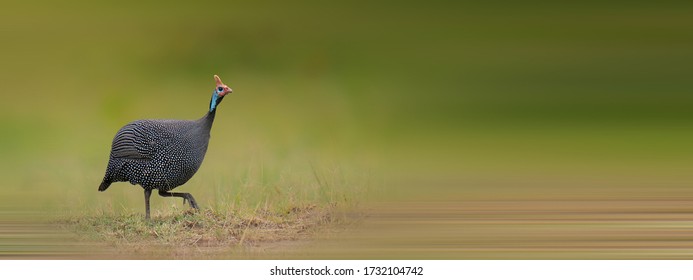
191 200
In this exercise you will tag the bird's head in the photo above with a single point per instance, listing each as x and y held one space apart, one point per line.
220 90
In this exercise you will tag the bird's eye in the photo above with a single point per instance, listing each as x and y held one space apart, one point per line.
220 89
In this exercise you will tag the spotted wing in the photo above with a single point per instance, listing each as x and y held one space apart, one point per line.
140 140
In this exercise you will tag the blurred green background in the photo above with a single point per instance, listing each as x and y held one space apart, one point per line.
441 102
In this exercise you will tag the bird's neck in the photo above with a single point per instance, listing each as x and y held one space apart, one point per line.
208 118
214 102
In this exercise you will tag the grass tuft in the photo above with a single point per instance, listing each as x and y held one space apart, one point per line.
208 227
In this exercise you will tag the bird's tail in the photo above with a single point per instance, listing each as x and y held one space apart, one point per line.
104 185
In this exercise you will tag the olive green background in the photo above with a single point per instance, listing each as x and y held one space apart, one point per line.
465 114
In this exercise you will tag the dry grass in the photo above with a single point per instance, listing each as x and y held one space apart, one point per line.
207 229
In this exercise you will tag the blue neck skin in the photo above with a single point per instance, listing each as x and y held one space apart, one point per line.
213 103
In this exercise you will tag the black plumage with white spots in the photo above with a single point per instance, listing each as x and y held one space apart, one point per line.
162 154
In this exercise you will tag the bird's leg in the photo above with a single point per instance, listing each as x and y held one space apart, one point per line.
185 196
147 194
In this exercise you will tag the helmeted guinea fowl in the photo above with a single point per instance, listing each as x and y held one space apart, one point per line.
162 154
